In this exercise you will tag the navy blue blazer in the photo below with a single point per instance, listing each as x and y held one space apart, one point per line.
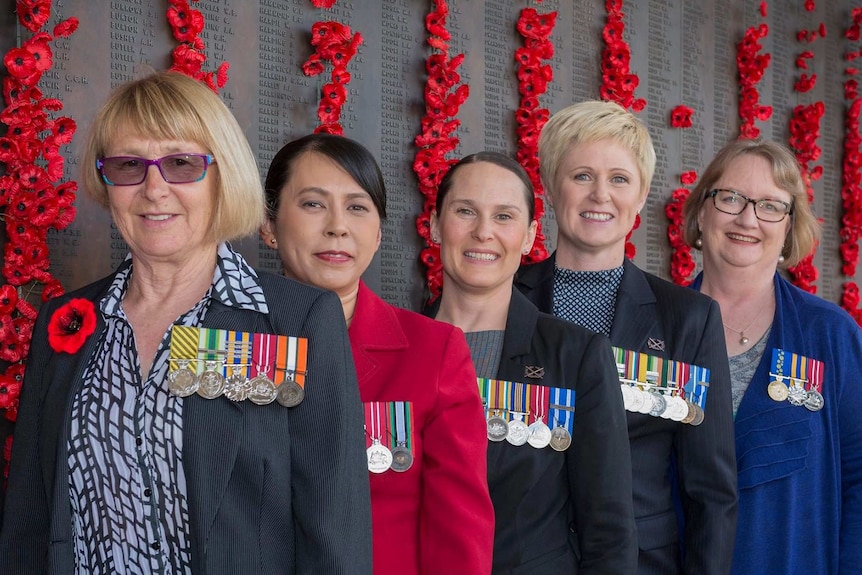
271 490
560 513
657 317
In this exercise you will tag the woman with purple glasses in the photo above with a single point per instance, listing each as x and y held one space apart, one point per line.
173 418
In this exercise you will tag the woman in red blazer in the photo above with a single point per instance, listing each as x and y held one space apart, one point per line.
426 437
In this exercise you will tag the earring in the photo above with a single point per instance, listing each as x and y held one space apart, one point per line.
781 259
435 239
698 243
272 241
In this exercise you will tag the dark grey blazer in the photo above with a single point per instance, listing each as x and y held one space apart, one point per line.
271 490
571 512
657 317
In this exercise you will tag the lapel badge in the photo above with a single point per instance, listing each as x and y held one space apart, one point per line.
534 371
656 344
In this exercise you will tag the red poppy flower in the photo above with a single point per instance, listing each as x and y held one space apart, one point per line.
42 54
334 93
71 325
328 113
688 178
340 75
66 28
435 22
323 3
680 117
805 83
33 14
313 66
329 33
20 62
8 299
10 390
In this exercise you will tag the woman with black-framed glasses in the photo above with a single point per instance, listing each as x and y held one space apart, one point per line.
185 414
795 363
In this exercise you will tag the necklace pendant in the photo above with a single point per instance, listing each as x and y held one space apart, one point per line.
743 340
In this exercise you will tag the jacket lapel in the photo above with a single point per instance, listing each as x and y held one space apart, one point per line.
520 327
377 328
212 433
635 311
537 283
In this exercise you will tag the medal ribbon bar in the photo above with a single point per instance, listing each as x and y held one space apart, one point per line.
184 346
561 411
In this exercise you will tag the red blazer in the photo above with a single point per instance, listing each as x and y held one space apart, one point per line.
436 517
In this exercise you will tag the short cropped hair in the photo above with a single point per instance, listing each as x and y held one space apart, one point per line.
351 156
174 106
804 227
592 121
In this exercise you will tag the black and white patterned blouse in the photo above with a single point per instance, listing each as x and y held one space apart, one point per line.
587 298
126 480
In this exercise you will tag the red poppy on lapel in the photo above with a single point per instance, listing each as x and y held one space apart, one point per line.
71 325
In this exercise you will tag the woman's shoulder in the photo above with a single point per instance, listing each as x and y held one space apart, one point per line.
814 310
278 282
681 295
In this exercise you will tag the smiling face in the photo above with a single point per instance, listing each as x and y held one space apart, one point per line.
596 196
484 228
327 228
743 241
164 222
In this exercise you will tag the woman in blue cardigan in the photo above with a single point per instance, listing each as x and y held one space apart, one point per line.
795 364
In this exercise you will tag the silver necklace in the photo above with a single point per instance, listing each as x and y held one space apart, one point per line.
742 339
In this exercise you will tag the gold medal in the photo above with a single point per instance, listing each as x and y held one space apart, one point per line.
777 390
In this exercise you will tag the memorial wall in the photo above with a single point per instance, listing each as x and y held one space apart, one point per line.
684 52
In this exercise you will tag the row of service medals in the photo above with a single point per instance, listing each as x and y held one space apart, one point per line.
796 379
389 427
509 406
662 387
258 367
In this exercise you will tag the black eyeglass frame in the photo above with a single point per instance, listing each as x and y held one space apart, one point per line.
207 158
788 208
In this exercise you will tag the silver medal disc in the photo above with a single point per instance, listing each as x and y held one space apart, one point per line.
814 400
498 429
626 390
517 433
237 387
379 458
540 435
647 404
183 382
211 384
797 395
636 400
659 404
262 390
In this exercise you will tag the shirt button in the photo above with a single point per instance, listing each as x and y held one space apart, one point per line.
148 492
138 441
156 546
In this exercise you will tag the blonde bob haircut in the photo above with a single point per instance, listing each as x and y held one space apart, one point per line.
592 121
173 106
804 231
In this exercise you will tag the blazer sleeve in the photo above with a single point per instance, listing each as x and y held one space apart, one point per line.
850 438
599 465
25 529
706 463
456 529
329 475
